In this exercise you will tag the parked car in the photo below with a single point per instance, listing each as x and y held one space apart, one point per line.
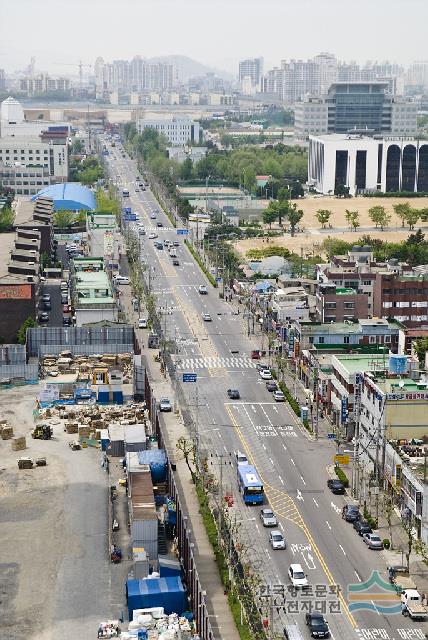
64 286
43 317
47 305
142 323
206 317
278 395
165 404
46 297
350 513
262 365
255 354
176 263
233 394
297 576
318 625
153 235
202 290
176 243
65 308
64 298
159 224
66 321
265 374
277 540
362 527
268 518
271 385
373 541
153 216
240 458
336 486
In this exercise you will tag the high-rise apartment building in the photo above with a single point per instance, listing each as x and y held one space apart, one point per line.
300 77
2 80
135 75
250 72
328 71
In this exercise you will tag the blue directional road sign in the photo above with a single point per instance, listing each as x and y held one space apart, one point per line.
218 279
182 232
189 377
331 436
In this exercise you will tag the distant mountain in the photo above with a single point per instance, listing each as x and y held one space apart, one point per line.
188 68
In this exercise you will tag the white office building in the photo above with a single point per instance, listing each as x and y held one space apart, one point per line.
178 131
367 164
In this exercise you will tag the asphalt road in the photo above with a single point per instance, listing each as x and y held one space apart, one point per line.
292 465
55 314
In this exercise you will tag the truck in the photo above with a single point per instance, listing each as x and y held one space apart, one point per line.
411 605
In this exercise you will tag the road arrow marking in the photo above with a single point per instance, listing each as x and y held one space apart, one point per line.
336 508
309 560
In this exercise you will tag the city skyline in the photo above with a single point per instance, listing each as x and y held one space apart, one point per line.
184 29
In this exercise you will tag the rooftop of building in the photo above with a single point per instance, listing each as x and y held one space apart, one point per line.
25 210
69 196
401 385
91 280
101 220
7 242
343 137
355 363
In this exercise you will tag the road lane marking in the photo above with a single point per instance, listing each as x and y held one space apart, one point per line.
316 503
303 480
292 461
358 577
281 480
271 461
343 550
299 495
328 524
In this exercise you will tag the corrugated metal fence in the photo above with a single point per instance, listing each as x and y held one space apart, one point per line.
29 372
84 349
12 354
93 338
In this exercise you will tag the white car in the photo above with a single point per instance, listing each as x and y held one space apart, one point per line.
152 236
268 518
265 374
278 396
206 317
142 323
202 290
153 216
297 576
165 404
277 540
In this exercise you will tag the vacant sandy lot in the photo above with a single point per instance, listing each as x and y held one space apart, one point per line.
312 236
338 206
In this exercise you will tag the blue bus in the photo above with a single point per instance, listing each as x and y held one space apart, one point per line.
249 484
125 193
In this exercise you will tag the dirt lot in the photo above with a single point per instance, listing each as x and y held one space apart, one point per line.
312 236
54 572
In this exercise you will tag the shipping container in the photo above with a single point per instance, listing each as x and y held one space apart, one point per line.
156 592
135 438
147 528
149 546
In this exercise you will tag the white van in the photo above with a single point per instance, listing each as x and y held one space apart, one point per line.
121 280
241 458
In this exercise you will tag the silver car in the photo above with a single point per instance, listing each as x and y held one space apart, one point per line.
268 518
277 540
373 541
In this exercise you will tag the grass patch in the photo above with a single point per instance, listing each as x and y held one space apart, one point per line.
235 607
200 263
342 476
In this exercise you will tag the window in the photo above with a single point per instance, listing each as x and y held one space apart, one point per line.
367 283
346 340
348 305
311 339
330 305
321 340
387 339
387 305
372 339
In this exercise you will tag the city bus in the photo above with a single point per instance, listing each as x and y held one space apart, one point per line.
249 484
125 193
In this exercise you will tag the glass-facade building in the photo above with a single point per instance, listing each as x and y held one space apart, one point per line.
361 106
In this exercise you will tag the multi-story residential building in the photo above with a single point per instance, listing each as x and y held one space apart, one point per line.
367 164
138 75
417 75
44 84
300 77
290 304
178 131
251 70
91 292
327 63
402 297
336 304
2 80
349 106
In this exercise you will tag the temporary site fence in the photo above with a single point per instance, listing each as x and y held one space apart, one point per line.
92 338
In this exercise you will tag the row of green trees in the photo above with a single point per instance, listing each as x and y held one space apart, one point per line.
414 250
379 215
282 209
87 170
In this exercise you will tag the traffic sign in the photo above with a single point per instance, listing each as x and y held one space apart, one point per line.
218 279
189 377
341 459
331 436
182 232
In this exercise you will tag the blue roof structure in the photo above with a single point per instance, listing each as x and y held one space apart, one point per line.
71 196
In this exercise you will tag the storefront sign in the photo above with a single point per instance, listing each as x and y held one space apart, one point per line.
419 395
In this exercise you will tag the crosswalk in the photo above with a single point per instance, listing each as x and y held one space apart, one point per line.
207 362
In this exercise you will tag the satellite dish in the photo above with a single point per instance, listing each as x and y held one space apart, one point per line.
401 384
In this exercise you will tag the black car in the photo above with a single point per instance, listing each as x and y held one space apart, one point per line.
66 321
47 305
46 297
233 394
336 486
43 317
271 385
350 513
317 625
362 527
64 298
159 224
176 262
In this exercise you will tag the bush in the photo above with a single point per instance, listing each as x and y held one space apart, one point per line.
386 543
371 521
342 476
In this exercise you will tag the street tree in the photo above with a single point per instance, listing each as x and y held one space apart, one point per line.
188 449
270 214
186 169
412 218
387 508
379 216
323 216
352 218
22 331
63 219
294 216
402 210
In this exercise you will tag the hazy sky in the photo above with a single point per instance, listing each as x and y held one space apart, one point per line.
215 32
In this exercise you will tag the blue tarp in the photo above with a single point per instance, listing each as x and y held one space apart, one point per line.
169 567
156 592
156 458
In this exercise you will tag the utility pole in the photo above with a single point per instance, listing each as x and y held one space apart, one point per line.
316 399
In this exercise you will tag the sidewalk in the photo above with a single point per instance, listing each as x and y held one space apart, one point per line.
221 618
